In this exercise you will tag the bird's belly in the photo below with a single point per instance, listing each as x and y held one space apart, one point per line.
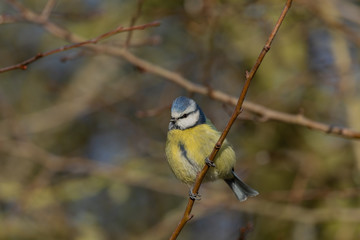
182 163
186 169
186 152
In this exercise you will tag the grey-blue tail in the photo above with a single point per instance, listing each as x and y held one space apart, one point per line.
242 190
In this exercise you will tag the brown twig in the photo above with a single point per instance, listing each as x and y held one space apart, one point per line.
8 19
24 65
249 76
152 112
133 21
47 9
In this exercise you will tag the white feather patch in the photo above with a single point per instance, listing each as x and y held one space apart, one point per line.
189 121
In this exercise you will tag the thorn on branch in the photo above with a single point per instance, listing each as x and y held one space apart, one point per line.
263 118
39 55
247 74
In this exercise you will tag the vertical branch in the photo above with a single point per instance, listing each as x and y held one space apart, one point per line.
47 9
133 21
249 76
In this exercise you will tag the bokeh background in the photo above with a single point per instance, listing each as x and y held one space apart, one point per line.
82 132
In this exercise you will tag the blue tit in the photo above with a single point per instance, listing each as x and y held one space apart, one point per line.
190 140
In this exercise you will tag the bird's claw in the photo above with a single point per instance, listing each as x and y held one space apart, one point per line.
194 196
209 163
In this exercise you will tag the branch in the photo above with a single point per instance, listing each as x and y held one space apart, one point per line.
47 9
264 112
133 20
133 177
8 19
24 65
249 76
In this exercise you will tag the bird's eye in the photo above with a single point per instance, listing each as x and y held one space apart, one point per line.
185 115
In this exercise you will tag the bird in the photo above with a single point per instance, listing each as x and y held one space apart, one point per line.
190 139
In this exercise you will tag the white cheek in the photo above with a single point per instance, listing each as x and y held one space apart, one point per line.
189 121
175 114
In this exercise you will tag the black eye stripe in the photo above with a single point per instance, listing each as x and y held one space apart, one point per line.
185 115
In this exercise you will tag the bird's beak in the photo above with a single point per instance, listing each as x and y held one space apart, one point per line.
172 124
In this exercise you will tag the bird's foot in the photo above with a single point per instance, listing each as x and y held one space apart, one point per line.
209 163
194 196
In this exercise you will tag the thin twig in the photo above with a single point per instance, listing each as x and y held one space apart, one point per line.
249 76
8 19
17 6
152 112
133 21
47 9
24 65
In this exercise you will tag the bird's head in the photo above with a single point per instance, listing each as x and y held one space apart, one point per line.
185 113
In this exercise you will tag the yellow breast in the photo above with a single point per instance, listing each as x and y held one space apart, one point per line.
186 151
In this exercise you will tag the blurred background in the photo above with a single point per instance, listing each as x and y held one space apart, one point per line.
82 132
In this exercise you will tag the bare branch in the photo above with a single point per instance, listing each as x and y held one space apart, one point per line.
133 21
24 65
8 19
249 76
264 112
152 112
47 9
